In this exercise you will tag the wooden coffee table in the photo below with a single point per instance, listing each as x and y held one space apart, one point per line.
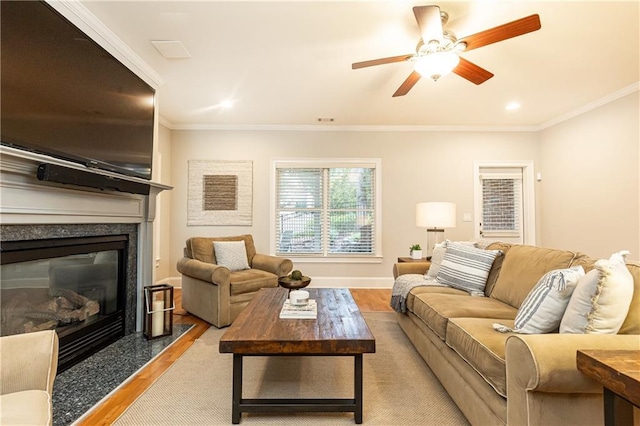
339 330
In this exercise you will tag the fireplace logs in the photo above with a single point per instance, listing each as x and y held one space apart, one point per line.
23 313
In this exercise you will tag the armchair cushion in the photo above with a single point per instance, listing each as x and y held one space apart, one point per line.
200 248
30 407
251 280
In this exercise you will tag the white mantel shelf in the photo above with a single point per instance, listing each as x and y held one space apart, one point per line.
26 200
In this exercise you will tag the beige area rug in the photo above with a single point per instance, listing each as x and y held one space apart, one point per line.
399 388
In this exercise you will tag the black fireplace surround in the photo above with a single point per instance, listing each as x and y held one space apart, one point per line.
77 279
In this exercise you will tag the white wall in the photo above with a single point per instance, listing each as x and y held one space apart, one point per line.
416 166
588 199
162 223
591 176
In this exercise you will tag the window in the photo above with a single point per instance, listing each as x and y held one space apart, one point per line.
326 208
501 203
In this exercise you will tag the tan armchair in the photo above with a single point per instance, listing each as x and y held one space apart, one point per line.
28 366
216 294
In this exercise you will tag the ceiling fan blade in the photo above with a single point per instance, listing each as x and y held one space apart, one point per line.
430 22
380 61
503 32
472 72
408 84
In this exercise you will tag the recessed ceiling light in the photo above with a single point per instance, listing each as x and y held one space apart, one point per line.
512 106
226 104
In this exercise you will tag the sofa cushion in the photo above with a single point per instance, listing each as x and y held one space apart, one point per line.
481 347
543 308
416 291
31 407
466 268
251 280
232 254
601 300
521 269
435 309
497 264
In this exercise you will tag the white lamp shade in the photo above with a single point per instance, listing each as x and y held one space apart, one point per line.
436 215
435 65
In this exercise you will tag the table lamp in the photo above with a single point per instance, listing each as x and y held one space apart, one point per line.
435 216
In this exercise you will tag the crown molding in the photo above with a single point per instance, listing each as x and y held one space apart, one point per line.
591 105
86 21
342 128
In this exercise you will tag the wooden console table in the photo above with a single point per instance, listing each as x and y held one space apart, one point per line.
619 373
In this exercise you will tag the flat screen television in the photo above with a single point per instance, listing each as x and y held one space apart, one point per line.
63 95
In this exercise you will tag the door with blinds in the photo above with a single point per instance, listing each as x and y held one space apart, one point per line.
501 204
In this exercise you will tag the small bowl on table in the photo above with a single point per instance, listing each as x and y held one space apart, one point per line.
291 284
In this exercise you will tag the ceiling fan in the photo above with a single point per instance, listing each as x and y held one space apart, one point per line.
437 52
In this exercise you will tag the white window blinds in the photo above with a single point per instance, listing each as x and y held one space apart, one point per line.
325 211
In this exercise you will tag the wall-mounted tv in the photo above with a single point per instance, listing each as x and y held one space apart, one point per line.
63 95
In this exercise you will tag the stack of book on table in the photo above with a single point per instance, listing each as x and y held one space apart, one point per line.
307 311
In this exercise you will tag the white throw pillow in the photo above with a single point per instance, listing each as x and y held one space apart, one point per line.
544 306
232 254
436 259
600 302
466 268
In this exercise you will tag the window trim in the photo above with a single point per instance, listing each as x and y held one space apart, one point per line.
376 163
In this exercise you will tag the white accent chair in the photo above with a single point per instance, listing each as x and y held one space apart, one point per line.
28 366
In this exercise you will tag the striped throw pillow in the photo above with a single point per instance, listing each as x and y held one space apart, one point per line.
466 268
544 306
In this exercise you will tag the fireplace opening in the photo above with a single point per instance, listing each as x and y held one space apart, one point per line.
76 286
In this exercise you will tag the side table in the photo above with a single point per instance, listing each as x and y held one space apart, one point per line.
408 259
619 373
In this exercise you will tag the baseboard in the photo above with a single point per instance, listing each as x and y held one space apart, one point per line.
321 282
351 282
172 281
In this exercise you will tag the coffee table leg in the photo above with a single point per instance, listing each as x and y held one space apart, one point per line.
237 389
358 388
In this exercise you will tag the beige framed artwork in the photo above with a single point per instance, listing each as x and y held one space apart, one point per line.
220 193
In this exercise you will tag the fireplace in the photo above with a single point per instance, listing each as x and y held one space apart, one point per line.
77 280
35 213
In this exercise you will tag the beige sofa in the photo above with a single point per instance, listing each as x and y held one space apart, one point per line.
509 378
216 294
28 366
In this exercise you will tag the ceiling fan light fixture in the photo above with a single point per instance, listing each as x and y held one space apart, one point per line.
436 65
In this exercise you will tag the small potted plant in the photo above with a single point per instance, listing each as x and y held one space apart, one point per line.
416 251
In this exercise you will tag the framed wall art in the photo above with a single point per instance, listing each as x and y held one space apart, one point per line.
220 193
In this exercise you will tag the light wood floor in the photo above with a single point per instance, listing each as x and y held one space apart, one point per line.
368 300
